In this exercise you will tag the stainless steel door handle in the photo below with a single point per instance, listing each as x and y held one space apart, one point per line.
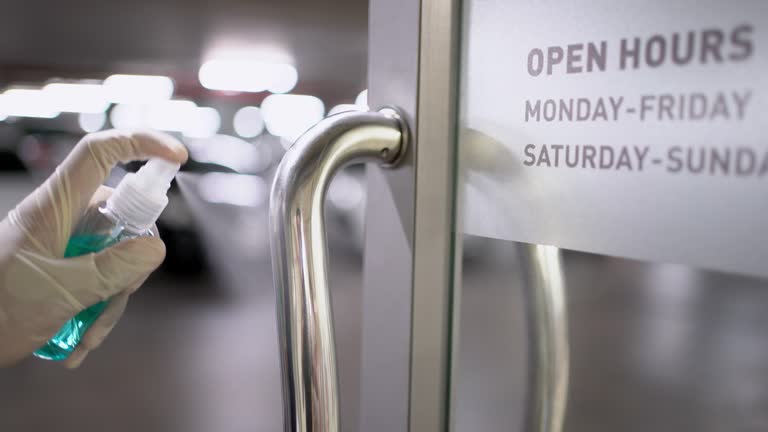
548 339
297 230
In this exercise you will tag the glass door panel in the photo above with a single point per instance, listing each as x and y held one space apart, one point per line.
586 126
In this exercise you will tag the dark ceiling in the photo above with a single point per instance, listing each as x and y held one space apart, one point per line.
40 39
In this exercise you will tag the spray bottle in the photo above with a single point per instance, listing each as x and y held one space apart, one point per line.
130 212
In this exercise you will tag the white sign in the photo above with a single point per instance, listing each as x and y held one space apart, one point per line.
637 129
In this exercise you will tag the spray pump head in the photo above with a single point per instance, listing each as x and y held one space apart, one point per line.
140 198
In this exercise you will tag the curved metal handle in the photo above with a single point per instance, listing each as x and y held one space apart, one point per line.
297 230
548 336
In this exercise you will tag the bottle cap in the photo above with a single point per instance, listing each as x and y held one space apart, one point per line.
140 198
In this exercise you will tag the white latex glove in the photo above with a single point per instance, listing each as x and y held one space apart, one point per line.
39 289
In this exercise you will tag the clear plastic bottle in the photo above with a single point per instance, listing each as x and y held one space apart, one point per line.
130 212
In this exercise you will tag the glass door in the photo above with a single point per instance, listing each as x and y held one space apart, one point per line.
574 239
631 136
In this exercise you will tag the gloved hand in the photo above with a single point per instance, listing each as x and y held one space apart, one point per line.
39 289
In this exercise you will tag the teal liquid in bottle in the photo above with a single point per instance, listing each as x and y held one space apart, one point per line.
64 342
130 212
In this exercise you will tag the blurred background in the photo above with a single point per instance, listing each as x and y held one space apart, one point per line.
237 81
654 347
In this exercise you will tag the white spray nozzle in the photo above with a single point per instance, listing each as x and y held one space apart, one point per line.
141 197
156 175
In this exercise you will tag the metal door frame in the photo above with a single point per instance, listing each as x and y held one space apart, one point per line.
408 297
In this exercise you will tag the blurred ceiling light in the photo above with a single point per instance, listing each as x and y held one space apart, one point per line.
248 122
126 116
172 116
92 122
247 76
203 122
344 108
290 115
231 152
20 102
234 189
284 78
362 100
76 97
138 88
182 116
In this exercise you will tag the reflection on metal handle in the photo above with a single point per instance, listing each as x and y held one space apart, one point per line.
297 229
548 336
